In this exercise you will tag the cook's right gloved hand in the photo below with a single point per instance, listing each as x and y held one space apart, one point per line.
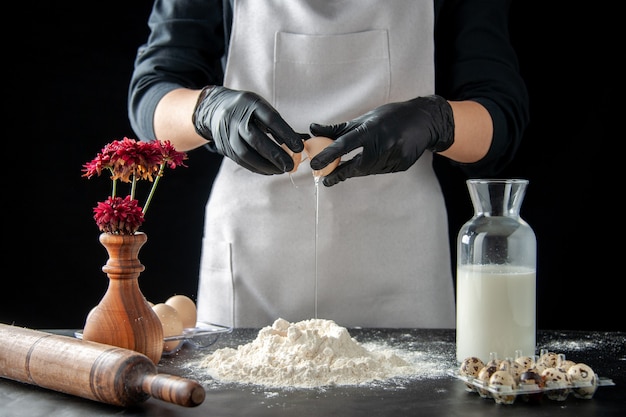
238 125
392 137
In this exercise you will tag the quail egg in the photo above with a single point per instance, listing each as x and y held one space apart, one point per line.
470 367
557 383
583 379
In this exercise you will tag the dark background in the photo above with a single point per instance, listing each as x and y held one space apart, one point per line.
69 64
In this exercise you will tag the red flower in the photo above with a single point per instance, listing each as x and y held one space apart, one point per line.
169 155
118 215
129 161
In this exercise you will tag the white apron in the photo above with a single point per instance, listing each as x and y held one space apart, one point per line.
383 255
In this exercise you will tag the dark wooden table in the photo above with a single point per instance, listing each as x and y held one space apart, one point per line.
443 395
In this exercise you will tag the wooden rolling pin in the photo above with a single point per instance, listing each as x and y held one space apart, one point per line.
89 369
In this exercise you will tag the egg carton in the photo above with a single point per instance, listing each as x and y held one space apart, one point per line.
553 391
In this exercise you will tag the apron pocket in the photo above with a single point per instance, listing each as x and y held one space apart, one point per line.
339 71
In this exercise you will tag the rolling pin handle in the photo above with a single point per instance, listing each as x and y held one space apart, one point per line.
174 389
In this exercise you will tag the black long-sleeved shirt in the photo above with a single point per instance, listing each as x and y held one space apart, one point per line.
474 60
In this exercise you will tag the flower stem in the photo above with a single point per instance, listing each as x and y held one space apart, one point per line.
133 187
154 186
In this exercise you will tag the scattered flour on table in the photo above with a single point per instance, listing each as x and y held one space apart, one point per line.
571 345
314 353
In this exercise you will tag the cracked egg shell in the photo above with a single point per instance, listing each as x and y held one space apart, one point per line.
315 145
297 157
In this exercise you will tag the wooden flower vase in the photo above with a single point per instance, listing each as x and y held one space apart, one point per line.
123 317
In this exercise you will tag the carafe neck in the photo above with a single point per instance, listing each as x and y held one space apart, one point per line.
497 197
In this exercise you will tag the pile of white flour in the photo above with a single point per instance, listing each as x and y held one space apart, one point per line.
306 354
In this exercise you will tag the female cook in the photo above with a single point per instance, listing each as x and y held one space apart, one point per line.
392 82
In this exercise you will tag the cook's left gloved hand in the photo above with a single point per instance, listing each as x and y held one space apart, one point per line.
393 137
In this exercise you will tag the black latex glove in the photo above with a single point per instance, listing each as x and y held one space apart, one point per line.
238 125
393 137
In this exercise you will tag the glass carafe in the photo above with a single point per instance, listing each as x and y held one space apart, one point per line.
496 273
